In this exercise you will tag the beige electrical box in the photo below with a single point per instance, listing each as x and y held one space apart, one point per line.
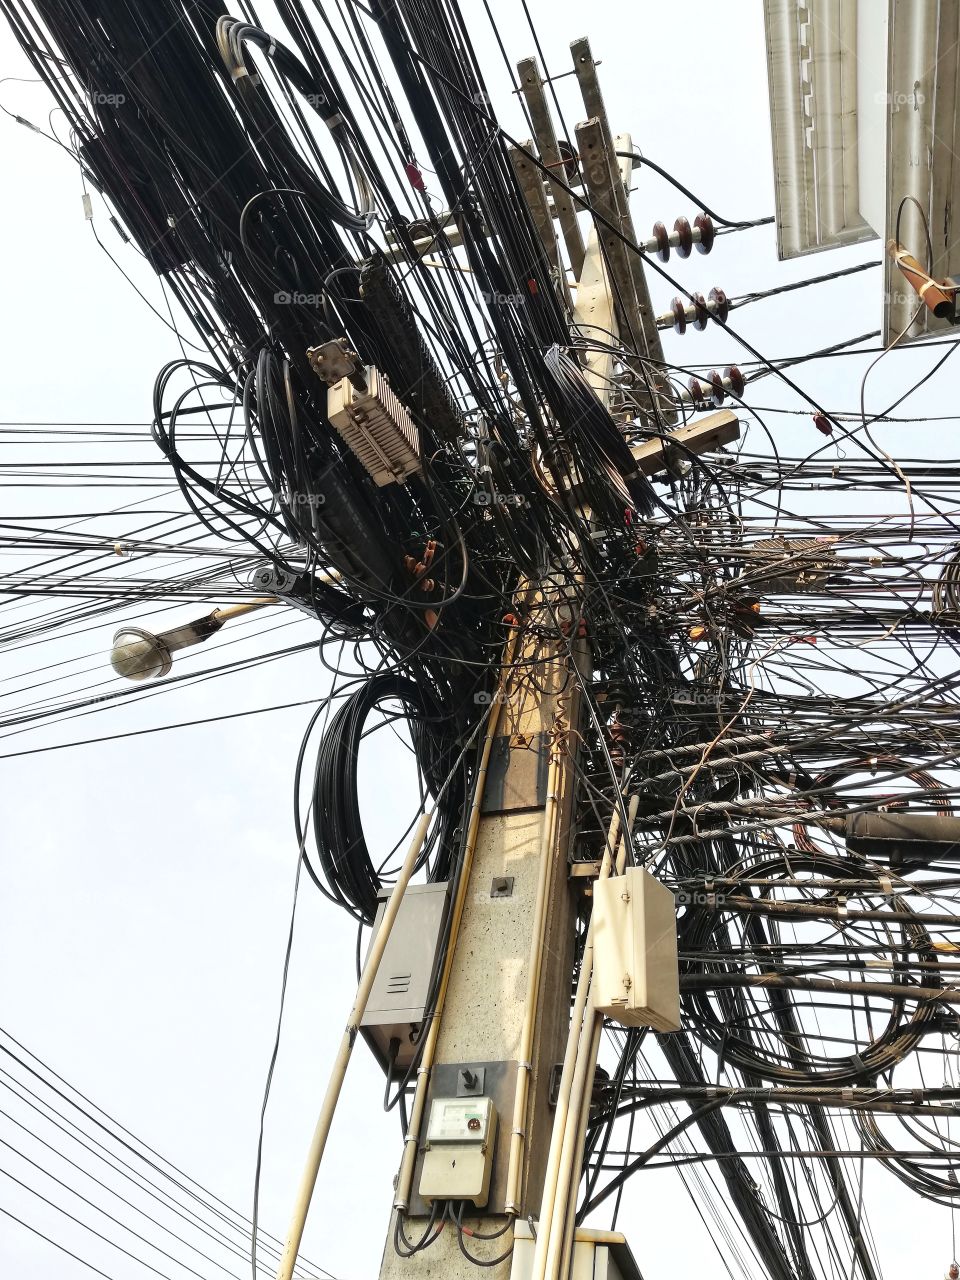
376 426
597 1255
636 976
459 1153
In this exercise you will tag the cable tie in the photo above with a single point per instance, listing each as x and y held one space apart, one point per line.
886 884
524 1066
332 121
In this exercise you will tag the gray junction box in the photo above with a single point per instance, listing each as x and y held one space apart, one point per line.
401 988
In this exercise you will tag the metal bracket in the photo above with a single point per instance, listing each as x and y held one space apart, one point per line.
500 1084
504 787
470 1082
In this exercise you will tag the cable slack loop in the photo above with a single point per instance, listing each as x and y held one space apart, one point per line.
233 35
345 868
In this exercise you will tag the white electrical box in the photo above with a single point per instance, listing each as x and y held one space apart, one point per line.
636 974
461 1135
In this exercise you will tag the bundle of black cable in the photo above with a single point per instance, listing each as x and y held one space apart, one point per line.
348 873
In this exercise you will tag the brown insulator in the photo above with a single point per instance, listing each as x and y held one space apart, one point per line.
704 224
685 237
734 377
698 392
721 305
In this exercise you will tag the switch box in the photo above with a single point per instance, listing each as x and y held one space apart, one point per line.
636 973
461 1135
397 1002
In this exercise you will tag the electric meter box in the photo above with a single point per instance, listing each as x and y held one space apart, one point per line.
395 1008
461 1135
636 973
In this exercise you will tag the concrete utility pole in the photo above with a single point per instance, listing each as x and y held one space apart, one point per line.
505 1010
502 1023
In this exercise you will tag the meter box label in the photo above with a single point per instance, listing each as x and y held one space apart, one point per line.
460 1120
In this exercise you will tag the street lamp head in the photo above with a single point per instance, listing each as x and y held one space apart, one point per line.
139 654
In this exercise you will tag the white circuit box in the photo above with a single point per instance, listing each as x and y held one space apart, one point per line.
376 426
461 1135
636 973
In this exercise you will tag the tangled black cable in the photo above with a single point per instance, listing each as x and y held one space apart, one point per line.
721 688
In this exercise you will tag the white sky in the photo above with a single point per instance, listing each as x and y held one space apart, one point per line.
147 882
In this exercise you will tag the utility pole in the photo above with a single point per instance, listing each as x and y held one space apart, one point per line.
502 1022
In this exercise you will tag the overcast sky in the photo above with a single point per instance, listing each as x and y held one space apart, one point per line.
147 881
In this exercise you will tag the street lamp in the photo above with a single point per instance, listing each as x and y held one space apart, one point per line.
140 655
